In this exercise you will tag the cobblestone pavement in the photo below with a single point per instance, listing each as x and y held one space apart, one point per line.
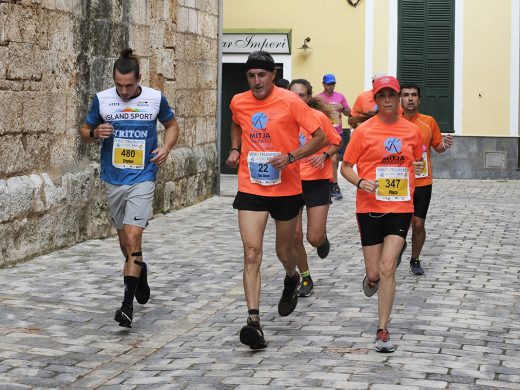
457 327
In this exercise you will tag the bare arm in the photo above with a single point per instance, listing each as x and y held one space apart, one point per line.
447 143
236 139
347 171
89 133
318 141
171 135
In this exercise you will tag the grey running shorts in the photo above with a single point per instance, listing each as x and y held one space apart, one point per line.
130 204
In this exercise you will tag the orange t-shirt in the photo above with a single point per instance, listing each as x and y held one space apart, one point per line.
364 103
269 127
431 136
385 153
307 171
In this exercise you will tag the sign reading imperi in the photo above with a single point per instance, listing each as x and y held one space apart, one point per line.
248 42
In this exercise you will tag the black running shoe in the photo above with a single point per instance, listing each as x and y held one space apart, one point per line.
142 293
307 287
401 255
252 335
289 298
415 267
124 316
324 249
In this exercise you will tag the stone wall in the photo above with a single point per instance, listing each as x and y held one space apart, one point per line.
474 157
54 56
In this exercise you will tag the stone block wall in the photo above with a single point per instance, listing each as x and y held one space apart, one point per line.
467 159
54 56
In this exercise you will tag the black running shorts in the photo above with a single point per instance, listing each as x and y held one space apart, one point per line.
281 208
421 201
316 192
374 227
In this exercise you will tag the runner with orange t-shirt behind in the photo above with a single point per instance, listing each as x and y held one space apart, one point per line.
265 130
387 151
316 172
432 138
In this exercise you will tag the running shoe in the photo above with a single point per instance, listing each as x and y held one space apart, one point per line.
324 249
400 257
370 288
337 193
142 292
415 267
252 335
289 298
124 316
307 287
383 342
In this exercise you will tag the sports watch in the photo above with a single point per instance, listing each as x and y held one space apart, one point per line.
291 158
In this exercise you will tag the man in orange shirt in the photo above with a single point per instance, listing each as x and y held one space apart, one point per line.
387 151
265 147
365 106
432 138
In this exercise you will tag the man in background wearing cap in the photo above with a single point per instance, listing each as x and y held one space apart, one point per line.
387 151
365 106
432 138
340 105
265 129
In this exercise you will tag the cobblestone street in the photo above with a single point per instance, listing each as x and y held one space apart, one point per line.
456 327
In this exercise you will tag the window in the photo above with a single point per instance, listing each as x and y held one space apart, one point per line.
426 39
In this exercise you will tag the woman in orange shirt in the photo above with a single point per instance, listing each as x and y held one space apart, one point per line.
315 172
387 151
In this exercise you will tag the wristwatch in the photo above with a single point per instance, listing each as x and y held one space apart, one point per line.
291 158
326 155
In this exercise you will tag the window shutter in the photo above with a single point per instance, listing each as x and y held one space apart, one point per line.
426 50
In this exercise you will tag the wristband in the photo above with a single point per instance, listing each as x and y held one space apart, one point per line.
359 182
237 149
327 156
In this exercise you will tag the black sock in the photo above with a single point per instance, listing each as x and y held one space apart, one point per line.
291 280
254 312
130 287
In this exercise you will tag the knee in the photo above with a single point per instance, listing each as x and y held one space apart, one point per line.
315 239
252 256
387 269
298 236
283 251
418 225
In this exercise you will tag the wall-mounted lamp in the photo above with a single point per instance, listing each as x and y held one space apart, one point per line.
354 3
305 46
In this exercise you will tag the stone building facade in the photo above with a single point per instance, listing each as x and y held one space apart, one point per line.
54 56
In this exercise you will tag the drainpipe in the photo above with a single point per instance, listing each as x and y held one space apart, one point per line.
219 89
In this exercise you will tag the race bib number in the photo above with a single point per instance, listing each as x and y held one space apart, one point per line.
392 184
128 153
424 172
260 171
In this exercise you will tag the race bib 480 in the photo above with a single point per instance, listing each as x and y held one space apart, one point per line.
128 153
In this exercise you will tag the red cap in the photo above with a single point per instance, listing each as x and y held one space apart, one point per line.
386 82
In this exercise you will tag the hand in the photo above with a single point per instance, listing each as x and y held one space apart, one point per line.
368 185
317 160
448 141
161 156
279 162
233 159
418 167
103 131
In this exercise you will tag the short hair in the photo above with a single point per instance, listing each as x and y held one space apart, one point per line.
126 63
282 83
411 85
303 82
